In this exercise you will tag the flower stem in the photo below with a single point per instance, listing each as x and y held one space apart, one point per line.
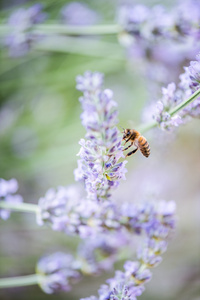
173 111
77 30
185 103
20 281
24 207
82 46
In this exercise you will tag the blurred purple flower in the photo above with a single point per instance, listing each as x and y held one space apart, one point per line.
20 22
57 272
77 13
152 24
161 40
185 24
7 189
101 252
100 152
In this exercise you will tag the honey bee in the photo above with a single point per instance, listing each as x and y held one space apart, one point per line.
136 139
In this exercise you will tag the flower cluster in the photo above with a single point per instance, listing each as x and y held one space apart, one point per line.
100 152
130 283
171 96
57 272
20 22
162 40
7 189
168 101
65 211
101 252
77 13
149 24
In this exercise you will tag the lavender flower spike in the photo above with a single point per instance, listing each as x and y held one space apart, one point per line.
7 189
20 38
57 271
172 95
78 14
129 284
101 150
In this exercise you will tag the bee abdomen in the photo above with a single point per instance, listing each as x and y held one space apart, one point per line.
144 146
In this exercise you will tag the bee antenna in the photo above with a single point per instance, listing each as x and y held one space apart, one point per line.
122 128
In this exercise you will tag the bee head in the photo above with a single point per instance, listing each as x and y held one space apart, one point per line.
126 133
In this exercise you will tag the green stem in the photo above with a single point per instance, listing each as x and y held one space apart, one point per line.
172 112
82 46
103 29
185 103
23 207
20 281
77 30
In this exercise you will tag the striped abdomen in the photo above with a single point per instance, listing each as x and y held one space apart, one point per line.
144 146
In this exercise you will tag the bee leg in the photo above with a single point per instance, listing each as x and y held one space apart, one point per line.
126 141
132 152
128 146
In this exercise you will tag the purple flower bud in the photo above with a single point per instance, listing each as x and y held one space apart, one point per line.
77 13
89 82
57 272
7 189
20 22
194 70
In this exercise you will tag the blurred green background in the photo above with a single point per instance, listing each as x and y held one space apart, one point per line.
39 132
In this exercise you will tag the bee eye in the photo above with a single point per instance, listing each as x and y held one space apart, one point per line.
128 133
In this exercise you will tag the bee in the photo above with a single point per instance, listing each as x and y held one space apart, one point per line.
136 139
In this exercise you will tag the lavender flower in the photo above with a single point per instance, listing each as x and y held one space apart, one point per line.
64 210
154 24
57 208
185 24
7 189
190 79
20 22
129 284
99 167
100 253
77 13
162 40
60 270
189 83
57 272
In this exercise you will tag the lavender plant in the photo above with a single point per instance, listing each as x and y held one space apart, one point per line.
64 209
104 226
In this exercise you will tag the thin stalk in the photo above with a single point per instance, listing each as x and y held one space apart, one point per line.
172 112
20 281
185 103
81 46
23 207
104 29
77 30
